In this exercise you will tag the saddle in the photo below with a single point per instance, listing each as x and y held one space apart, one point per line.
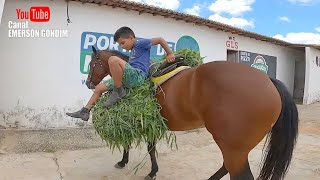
162 71
162 68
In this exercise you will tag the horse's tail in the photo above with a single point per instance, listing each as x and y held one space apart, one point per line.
282 137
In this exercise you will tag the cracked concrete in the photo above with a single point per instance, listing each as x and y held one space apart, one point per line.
55 158
38 166
198 158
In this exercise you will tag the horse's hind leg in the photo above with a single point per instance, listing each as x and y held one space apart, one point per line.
154 165
124 161
246 174
219 174
237 165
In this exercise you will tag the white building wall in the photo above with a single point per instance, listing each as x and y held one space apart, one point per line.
312 84
41 76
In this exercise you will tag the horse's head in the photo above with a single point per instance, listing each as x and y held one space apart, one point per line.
98 66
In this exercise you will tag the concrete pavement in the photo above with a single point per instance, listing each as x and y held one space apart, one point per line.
198 157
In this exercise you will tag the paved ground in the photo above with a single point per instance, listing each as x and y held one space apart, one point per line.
197 159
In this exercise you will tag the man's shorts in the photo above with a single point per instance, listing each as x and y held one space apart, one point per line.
132 77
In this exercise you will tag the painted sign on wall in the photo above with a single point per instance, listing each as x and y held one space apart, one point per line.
102 41
265 63
231 43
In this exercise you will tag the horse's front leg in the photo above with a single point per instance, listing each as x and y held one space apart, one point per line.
154 165
125 159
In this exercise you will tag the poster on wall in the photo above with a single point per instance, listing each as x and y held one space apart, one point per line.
265 63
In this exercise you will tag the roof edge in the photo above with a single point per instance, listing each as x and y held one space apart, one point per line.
168 13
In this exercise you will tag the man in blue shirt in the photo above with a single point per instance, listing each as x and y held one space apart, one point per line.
129 74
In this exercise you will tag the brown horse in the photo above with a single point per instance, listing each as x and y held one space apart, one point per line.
237 104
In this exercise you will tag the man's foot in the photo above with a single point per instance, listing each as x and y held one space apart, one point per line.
83 113
116 95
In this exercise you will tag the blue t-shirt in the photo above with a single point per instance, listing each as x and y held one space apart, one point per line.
140 55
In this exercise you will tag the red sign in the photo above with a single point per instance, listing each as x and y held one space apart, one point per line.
35 14
232 43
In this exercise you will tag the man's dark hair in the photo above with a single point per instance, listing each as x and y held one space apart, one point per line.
123 32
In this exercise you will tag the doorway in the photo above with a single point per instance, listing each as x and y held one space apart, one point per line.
233 56
299 80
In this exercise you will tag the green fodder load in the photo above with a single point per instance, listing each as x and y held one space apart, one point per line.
136 119
192 58
133 120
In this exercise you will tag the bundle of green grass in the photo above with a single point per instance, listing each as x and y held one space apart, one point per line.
136 119
191 58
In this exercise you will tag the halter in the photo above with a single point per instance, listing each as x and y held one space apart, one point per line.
97 61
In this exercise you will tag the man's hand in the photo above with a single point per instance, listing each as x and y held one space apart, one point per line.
164 44
170 57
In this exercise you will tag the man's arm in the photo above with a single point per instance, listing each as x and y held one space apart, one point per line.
164 44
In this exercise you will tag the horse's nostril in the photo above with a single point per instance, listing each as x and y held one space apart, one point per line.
88 84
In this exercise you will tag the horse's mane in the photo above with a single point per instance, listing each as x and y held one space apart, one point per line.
119 54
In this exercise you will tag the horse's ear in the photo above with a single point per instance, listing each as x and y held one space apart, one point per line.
94 49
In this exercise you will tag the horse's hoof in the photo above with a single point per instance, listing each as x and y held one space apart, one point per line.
149 178
118 166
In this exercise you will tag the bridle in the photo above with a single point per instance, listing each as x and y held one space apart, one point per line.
96 62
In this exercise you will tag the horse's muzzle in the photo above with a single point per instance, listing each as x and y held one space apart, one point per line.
90 85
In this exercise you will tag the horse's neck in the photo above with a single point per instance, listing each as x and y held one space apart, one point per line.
105 63
106 57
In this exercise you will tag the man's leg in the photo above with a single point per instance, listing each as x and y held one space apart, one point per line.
117 67
99 90
84 113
